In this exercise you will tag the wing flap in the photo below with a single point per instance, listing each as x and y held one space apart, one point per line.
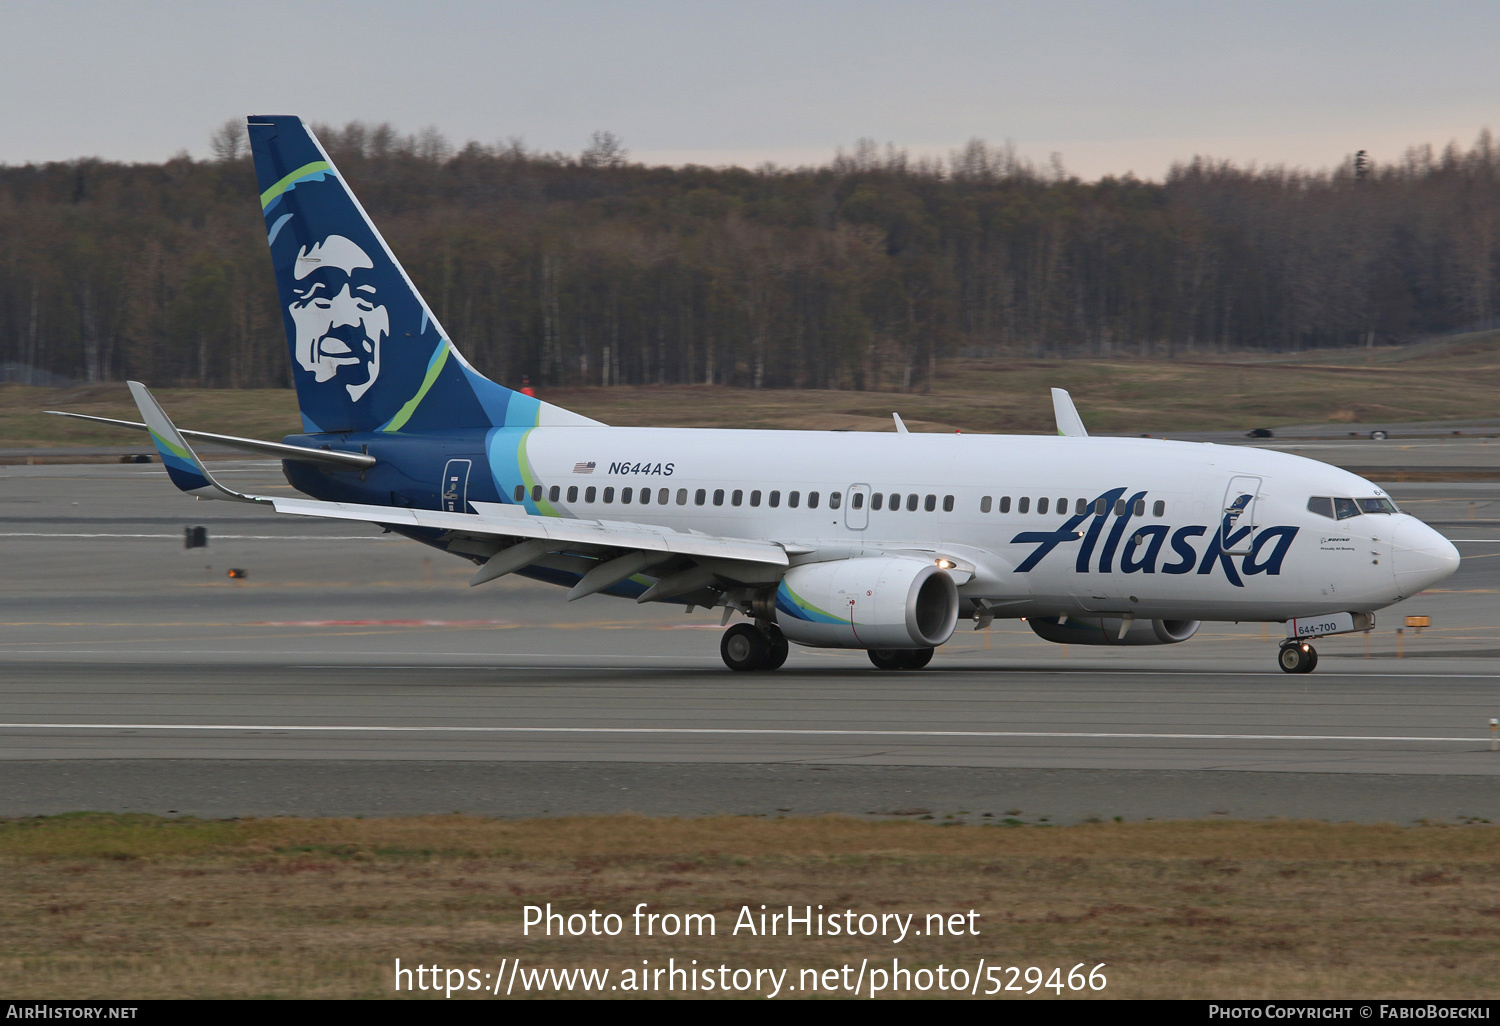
607 534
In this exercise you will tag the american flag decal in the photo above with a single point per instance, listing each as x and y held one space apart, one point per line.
584 468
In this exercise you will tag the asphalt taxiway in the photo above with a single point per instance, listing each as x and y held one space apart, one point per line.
351 672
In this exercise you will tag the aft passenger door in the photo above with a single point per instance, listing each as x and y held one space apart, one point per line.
857 507
1237 515
455 487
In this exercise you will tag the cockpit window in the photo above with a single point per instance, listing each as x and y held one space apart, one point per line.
1345 508
1378 506
1322 505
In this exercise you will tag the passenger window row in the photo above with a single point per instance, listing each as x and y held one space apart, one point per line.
663 496
737 497
1340 508
1101 507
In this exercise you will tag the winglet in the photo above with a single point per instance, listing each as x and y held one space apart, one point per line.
900 425
183 465
1069 423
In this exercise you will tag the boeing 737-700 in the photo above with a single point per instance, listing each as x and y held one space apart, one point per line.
860 540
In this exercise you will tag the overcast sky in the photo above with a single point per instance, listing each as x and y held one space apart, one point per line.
1113 87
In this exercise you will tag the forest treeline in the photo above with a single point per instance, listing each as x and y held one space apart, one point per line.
591 269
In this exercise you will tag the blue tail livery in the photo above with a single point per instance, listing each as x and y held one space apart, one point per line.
368 356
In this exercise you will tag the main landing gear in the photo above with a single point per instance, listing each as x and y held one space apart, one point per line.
900 658
1297 657
747 647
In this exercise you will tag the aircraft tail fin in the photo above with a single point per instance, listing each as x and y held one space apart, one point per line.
367 353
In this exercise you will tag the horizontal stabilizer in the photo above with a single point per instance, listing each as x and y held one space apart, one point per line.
280 450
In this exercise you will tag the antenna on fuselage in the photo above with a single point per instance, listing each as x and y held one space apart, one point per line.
1069 423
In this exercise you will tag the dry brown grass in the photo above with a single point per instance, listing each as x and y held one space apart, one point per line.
142 907
1449 380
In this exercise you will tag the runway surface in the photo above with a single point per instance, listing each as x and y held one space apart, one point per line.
350 672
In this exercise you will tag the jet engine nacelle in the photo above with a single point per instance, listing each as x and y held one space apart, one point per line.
1105 630
883 602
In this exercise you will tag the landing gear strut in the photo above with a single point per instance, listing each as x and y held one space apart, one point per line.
749 647
900 658
1297 657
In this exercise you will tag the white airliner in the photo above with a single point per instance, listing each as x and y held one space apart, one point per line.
862 540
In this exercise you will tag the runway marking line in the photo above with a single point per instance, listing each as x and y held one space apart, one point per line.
756 731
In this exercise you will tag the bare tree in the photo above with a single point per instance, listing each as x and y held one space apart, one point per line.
228 141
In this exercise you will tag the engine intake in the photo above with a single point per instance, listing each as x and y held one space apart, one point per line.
1105 630
880 602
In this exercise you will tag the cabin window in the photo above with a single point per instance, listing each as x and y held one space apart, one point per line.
520 493
572 493
755 497
718 496
627 494
1345 508
737 498
1062 507
911 502
645 496
877 500
1101 506
1005 504
1041 504
835 499
1140 507
682 496
1024 505
1322 505
588 496
1159 508
554 493
812 500
793 498
700 497
536 493
1081 506
662 496
930 503
984 504
774 499
609 495
857 500
1119 507
895 501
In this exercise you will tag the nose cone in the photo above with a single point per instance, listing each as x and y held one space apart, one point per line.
1422 556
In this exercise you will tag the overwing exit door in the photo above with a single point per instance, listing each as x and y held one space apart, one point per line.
455 487
857 508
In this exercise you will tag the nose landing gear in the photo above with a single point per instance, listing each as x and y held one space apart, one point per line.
749 647
1297 657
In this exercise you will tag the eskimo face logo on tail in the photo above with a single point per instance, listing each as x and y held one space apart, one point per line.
340 321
